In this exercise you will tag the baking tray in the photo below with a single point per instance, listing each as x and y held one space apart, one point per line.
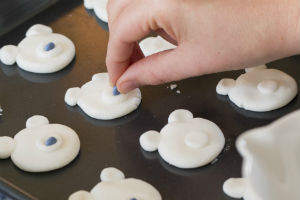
115 142
15 12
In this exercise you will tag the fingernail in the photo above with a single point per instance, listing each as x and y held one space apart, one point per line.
127 86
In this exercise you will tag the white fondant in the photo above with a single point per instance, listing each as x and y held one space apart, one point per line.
111 174
31 55
235 187
121 189
260 90
152 45
271 161
7 145
225 85
180 115
255 68
150 140
38 29
36 120
30 152
8 54
99 7
96 99
81 195
72 95
187 142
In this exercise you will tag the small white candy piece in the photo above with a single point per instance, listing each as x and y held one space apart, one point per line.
267 86
152 45
150 140
173 86
196 139
235 187
111 174
7 146
38 29
225 85
88 4
8 54
72 95
36 120
81 195
249 69
180 115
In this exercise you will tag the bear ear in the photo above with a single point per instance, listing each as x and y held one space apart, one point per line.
81 195
38 29
71 96
100 76
258 67
111 174
180 115
225 85
235 187
7 145
8 54
88 4
36 120
150 140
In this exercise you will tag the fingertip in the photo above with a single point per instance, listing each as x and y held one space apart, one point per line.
127 86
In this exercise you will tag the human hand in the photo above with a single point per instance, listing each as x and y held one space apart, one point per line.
212 36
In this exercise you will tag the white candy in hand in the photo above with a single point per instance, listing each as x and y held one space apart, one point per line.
41 51
259 89
98 99
41 146
99 7
152 45
115 186
185 142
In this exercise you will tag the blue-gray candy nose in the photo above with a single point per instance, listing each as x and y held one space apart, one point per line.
49 46
115 91
50 141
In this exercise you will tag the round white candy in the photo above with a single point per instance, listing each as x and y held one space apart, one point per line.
235 187
8 54
96 99
118 188
111 174
186 142
99 7
150 140
225 85
41 146
38 29
36 120
261 90
34 57
7 145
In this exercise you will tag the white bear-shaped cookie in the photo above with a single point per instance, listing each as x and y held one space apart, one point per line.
271 162
41 51
185 142
99 7
41 146
259 89
97 100
114 186
152 45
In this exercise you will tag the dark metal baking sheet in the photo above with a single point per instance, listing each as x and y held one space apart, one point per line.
115 143
15 12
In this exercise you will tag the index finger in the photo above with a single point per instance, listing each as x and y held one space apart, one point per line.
130 26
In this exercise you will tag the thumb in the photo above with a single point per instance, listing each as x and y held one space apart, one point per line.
162 67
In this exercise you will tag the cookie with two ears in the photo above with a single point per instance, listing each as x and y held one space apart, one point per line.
41 146
41 51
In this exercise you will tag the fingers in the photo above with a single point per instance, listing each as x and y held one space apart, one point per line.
131 25
158 68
